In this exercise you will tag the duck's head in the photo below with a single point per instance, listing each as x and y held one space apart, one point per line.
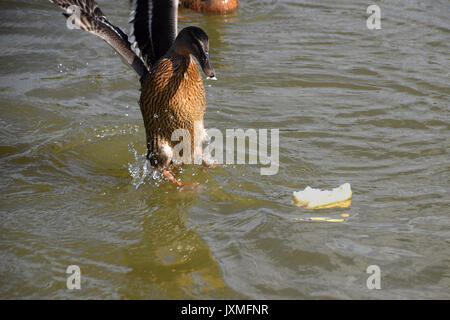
193 40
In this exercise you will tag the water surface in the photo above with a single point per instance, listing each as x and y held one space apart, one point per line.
367 107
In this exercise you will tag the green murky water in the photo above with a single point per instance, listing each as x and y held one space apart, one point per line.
368 107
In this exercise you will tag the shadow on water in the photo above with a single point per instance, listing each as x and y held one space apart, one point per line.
352 105
170 259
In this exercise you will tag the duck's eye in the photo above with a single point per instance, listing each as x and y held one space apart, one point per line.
198 47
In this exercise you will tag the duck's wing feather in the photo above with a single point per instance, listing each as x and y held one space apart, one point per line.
154 27
92 19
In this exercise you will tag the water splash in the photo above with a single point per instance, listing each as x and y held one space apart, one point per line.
140 169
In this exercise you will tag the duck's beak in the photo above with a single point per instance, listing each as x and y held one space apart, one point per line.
205 63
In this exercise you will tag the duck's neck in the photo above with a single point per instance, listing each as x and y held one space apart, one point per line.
180 61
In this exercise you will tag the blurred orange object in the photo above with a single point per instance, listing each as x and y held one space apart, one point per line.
210 6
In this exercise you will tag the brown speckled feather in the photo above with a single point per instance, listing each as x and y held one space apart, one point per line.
173 97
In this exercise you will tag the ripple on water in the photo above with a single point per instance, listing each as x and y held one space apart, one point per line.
368 107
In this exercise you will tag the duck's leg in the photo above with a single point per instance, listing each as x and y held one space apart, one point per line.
208 164
159 153
169 176
162 158
205 163
189 185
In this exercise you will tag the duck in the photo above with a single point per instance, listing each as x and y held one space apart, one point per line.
210 6
172 91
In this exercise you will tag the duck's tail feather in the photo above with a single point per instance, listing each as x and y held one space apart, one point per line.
88 16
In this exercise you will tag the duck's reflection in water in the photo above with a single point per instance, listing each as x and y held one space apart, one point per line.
171 260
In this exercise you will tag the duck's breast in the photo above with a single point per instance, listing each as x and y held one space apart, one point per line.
172 99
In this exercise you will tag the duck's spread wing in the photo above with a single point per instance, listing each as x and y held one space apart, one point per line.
87 15
154 27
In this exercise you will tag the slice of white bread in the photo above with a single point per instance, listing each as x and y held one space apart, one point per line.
317 199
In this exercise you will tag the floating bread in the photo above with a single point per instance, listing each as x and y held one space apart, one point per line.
324 219
311 198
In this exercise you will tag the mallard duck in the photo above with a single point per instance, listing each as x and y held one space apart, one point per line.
210 6
172 92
